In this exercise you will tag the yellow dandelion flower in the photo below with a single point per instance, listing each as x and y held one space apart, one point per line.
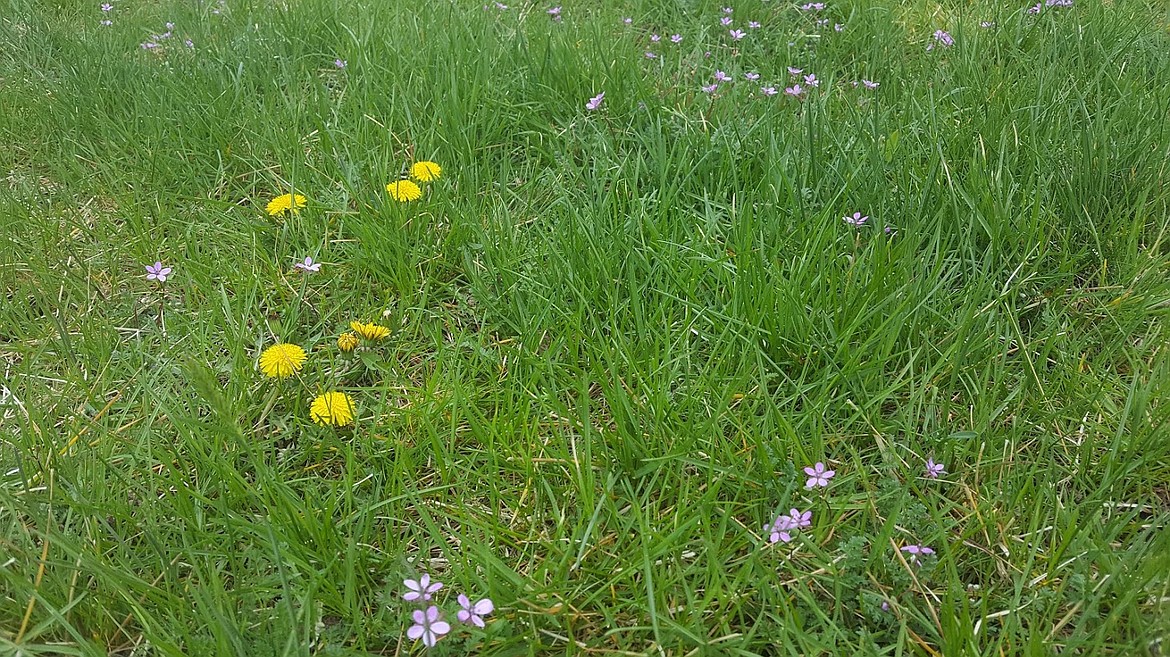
281 360
284 203
404 191
332 409
426 171
347 342
369 331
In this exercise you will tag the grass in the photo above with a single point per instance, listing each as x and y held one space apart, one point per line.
618 336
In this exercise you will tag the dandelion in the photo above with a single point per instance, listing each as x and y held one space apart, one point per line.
157 272
307 265
426 171
722 77
737 34
284 203
282 360
795 90
332 409
347 342
340 63
856 219
726 20
676 38
595 102
818 476
428 625
404 191
369 331
793 71
769 91
420 589
916 551
933 470
811 80
474 613
710 89
751 76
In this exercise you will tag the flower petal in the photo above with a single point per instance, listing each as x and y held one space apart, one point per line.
441 627
484 606
414 632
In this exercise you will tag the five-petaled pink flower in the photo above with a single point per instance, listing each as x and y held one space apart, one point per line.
737 34
795 90
780 530
428 626
800 519
916 551
818 475
933 470
856 219
157 272
722 77
595 101
308 265
474 613
420 589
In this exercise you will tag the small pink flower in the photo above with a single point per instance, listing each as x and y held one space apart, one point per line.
737 34
857 219
474 613
420 589
428 626
818 476
933 470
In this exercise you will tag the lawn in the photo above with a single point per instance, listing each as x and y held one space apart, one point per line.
669 327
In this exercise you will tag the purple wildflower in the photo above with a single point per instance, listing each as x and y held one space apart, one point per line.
755 25
474 613
595 101
987 25
933 470
722 77
943 38
308 265
795 90
655 38
555 12
781 529
813 6
856 220
650 55
157 272
627 20
340 63
811 80
148 45
428 626
916 551
501 6
795 71
727 10
1035 9
870 84
189 43
737 34
818 476
726 20
107 23
839 27
676 38
769 91
751 76
1059 3
420 589
170 26
800 519
821 22
710 88
107 6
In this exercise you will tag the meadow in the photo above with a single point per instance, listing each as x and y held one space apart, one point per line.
646 327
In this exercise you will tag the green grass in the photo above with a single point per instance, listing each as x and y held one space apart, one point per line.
618 335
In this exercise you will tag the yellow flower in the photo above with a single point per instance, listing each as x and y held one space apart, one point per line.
284 203
332 408
347 342
404 190
369 331
281 360
426 171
